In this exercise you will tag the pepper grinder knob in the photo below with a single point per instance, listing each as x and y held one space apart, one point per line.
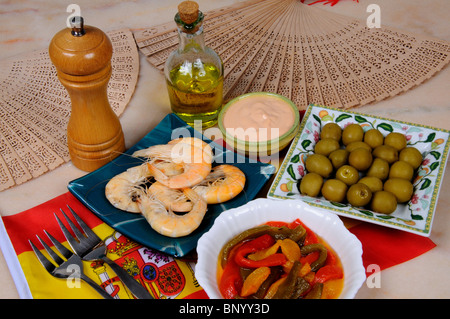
82 56
77 25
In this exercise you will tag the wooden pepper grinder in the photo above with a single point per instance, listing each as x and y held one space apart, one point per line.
82 57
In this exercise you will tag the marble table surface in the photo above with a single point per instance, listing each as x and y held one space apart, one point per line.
30 25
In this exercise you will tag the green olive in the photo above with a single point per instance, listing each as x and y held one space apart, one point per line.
354 145
334 190
401 169
386 152
373 138
359 195
326 146
374 183
412 156
396 140
352 133
361 159
348 174
311 184
338 158
401 188
383 202
379 169
320 164
331 130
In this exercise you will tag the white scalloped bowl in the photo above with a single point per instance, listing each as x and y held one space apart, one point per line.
257 212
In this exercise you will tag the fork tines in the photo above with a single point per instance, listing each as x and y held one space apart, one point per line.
85 240
56 258
88 232
49 266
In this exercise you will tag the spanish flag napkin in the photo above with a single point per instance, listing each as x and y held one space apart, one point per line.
164 276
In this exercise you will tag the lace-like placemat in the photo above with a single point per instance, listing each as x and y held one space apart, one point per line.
35 109
306 54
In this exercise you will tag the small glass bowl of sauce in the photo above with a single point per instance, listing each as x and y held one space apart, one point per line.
259 124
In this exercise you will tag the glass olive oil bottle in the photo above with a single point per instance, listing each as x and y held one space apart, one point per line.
194 72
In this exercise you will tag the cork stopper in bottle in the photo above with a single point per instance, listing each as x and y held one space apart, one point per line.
188 11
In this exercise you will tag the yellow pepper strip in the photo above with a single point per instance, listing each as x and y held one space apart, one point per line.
309 277
306 269
274 288
259 255
290 249
254 281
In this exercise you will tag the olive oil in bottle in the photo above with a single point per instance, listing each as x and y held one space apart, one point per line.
194 72
196 94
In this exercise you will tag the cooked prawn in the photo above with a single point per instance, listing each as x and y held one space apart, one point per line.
194 142
168 223
193 155
122 190
169 168
173 199
164 151
222 184
195 167
159 152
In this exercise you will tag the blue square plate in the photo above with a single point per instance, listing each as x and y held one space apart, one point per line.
90 189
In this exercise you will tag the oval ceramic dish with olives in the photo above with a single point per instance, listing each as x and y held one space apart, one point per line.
365 167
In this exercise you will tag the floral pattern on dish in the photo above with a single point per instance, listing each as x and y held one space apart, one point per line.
416 216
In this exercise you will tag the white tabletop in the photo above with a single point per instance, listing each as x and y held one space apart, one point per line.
30 25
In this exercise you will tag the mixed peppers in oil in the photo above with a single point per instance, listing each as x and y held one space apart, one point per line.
279 260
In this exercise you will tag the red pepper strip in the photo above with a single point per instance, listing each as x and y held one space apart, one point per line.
295 223
259 243
310 258
331 258
311 237
231 281
279 224
328 272
270 261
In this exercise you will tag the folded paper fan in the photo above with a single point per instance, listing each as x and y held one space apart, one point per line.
306 54
35 109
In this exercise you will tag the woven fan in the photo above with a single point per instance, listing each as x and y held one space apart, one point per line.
35 109
306 54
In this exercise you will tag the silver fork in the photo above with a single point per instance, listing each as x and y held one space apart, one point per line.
90 248
65 268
